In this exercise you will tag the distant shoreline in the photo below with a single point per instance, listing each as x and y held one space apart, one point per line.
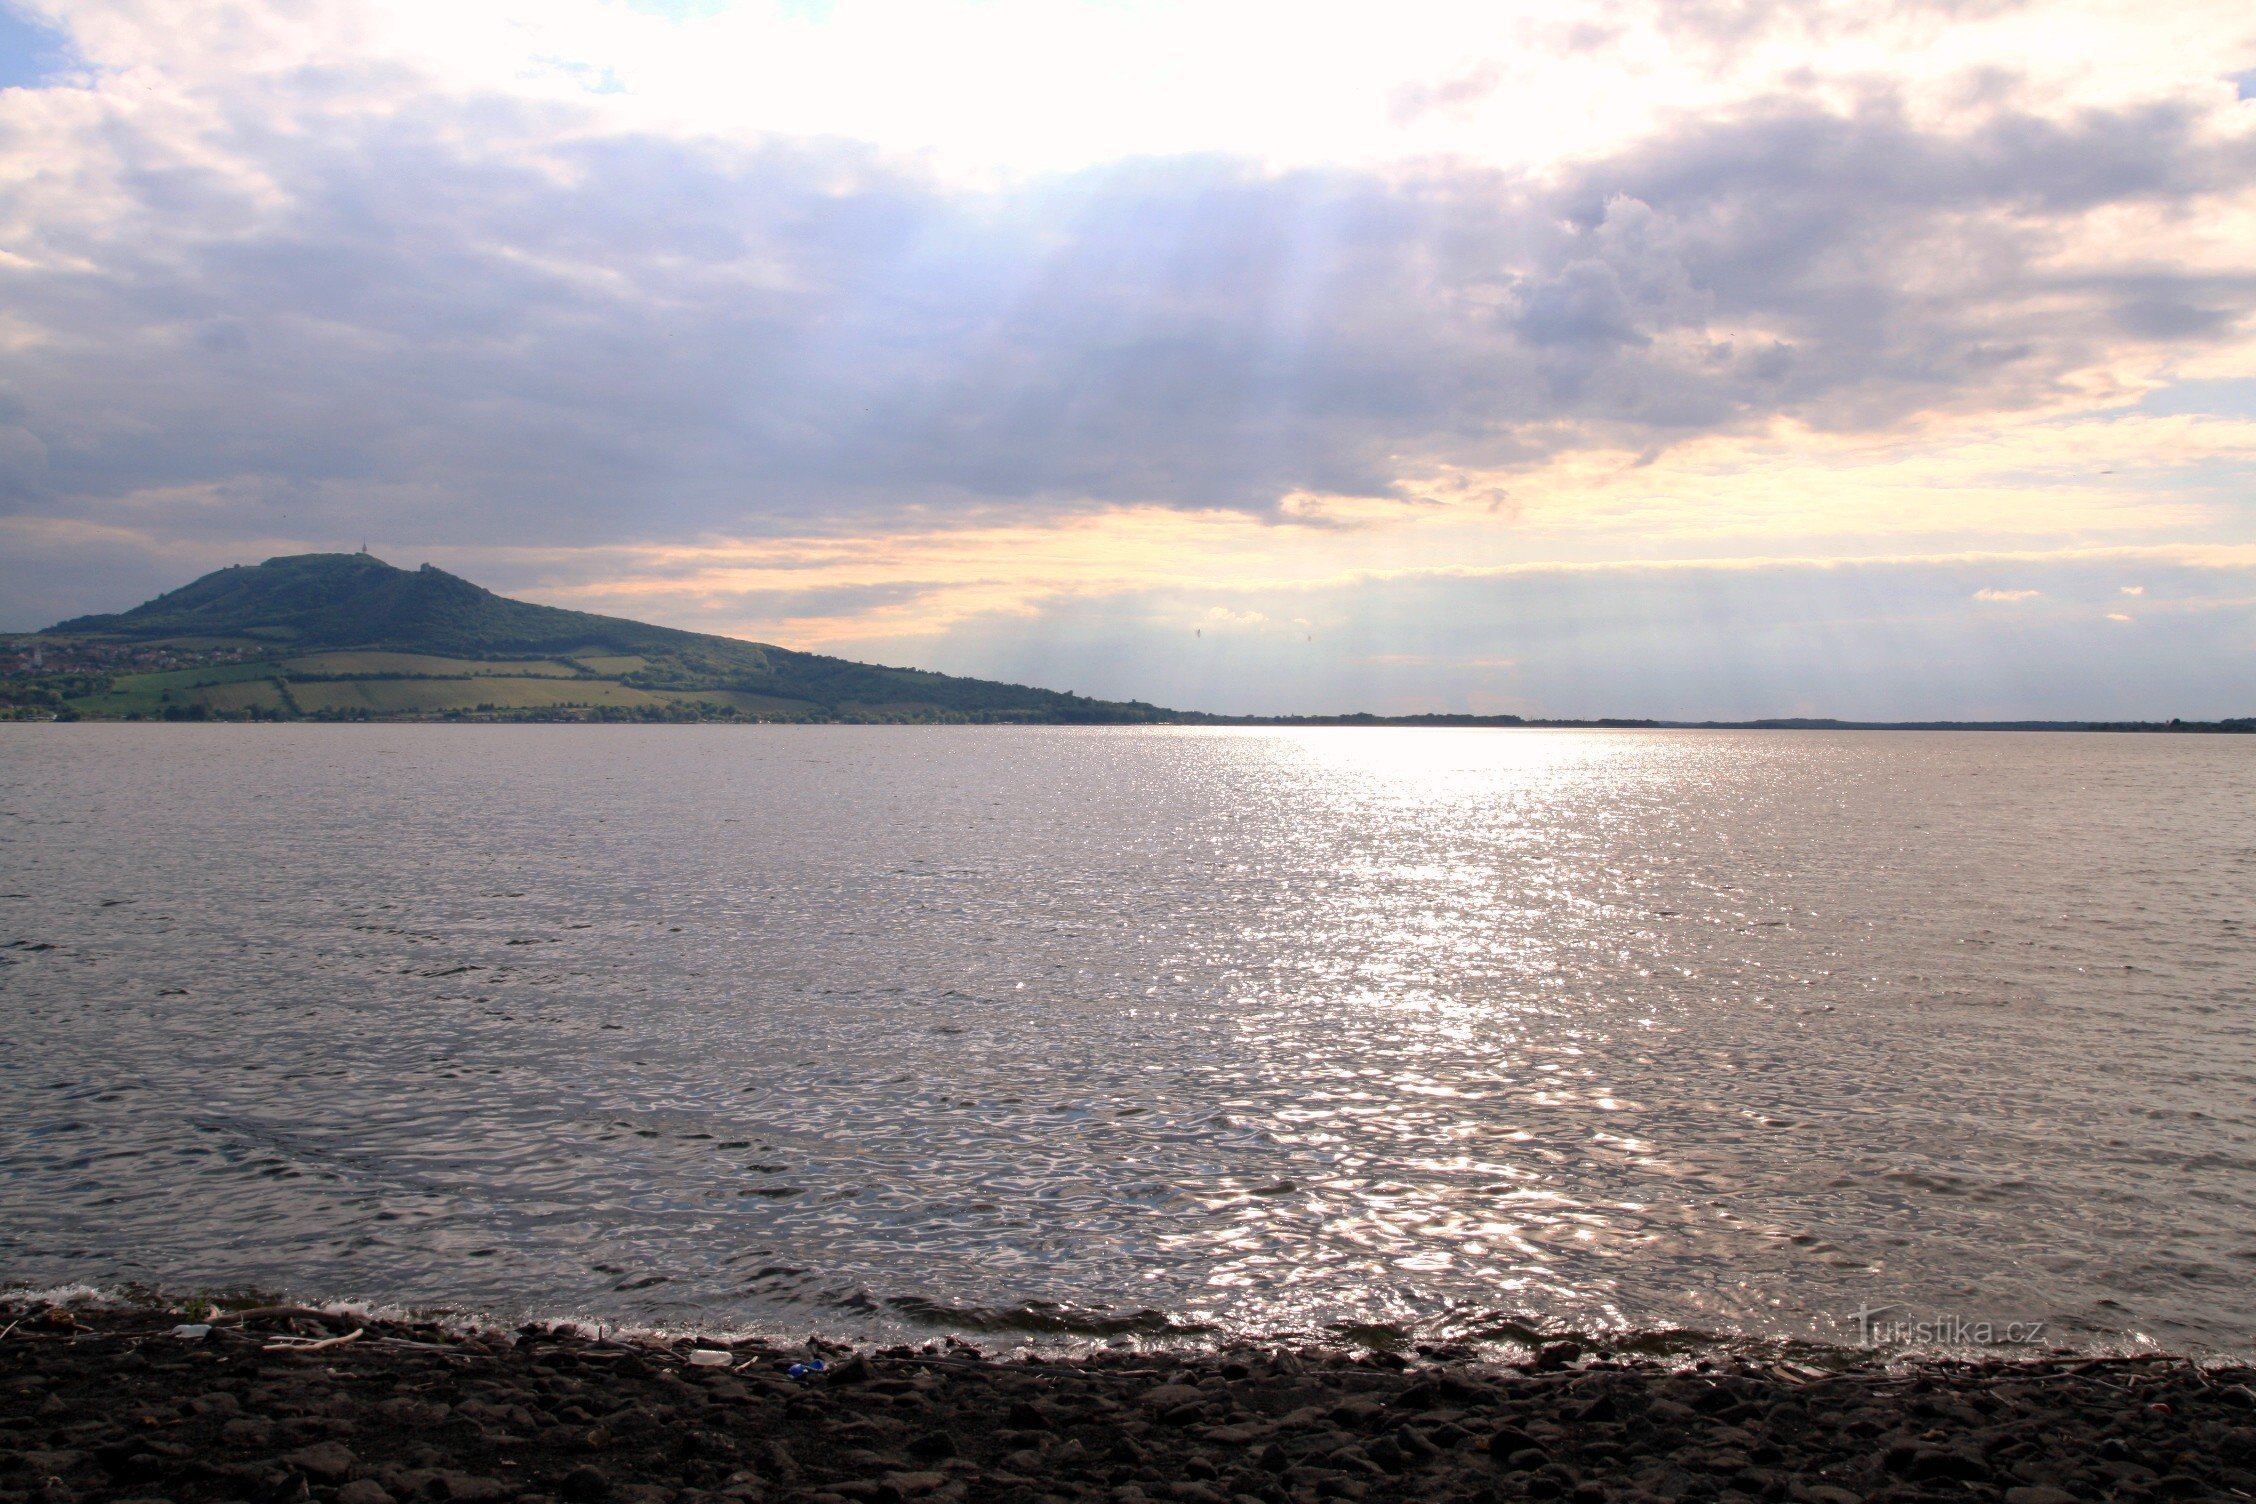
347 637
2232 726
2238 725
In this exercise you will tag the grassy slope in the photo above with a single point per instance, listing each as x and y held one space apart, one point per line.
259 694
420 665
499 692
337 625
215 684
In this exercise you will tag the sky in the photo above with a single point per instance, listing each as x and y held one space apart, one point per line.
1706 358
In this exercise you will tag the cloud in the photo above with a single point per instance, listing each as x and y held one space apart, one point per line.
1223 616
1876 639
49 569
471 319
275 277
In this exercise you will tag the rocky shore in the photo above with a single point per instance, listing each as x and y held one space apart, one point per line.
283 1404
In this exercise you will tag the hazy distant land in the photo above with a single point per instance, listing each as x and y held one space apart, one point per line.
347 637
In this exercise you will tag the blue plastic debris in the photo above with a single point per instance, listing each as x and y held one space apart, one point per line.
807 1369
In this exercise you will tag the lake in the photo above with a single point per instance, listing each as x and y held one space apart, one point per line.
1392 1035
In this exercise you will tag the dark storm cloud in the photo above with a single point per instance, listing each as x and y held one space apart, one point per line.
467 324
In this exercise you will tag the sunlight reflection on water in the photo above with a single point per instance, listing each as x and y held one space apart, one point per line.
870 1029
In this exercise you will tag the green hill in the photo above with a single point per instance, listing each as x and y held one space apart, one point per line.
347 636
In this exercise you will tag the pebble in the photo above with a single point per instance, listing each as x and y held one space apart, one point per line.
327 1463
556 1419
583 1485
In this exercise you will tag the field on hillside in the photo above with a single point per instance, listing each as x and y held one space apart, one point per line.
408 696
189 678
411 664
251 694
750 703
407 684
609 663
149 694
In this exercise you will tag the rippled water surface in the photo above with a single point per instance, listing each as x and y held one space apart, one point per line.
860 1030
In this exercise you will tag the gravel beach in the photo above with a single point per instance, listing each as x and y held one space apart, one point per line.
111 1404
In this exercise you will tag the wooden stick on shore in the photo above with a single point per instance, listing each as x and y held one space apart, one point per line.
312 1347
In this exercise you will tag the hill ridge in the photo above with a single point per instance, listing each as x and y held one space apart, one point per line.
308 615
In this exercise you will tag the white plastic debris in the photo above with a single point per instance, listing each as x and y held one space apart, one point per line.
194 1331
710 1357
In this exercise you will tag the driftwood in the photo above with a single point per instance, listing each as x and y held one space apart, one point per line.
278 1313
312 1347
